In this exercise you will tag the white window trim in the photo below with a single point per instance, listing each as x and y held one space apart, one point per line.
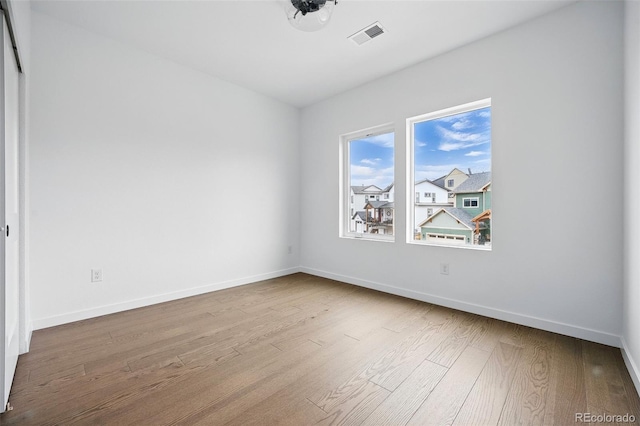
345 183
411 203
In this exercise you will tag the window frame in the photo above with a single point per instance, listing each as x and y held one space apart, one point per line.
345 182
410 167
470 206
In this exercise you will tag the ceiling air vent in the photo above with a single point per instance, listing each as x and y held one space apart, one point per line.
367 33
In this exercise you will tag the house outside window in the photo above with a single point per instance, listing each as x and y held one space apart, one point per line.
367 165
450 151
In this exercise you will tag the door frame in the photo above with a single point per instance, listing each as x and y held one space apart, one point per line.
22 337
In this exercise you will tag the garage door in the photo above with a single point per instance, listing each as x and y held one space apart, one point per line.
450 240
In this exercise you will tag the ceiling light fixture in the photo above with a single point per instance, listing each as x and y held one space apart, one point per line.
309 15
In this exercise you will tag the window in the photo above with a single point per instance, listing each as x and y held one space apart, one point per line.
449 159
366 172
470 202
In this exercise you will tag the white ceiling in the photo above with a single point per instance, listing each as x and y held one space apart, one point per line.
251 43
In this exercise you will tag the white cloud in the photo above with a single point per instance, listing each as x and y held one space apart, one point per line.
474 153
453 141
459 136
484 114
448 146
462 124
363 175
371 161
453 146
363 171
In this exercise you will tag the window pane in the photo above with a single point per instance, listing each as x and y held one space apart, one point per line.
371 184
452 168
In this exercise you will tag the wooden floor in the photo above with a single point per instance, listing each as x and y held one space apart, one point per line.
303 350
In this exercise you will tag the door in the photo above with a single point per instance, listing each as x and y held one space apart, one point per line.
9 208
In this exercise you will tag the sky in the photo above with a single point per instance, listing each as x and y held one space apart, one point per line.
460 141
372 160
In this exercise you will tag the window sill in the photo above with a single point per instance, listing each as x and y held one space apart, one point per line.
370 237
465 247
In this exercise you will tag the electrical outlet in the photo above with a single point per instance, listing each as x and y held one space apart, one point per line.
444 268
96 275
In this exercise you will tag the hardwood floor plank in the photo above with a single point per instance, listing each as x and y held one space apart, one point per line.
172 344
97 356
488 333
633 394
291 411
448 351
446 399
198 392
41 377
515 334
487 397
62 390
333 373
368 318
354 406
326 376
412 314
605 389
526 400
354 369
567 394
323 360
85 405
398 408
400 362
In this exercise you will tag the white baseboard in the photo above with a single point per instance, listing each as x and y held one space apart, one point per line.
553 326
634 372
40 323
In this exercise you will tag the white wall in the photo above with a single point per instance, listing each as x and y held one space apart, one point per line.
631 319
146 169
557 108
